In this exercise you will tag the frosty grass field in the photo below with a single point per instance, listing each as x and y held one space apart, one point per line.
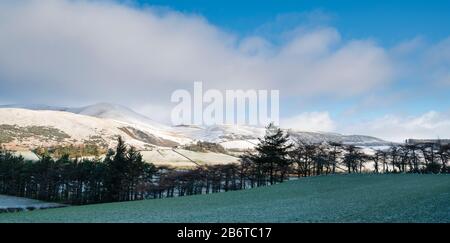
340 198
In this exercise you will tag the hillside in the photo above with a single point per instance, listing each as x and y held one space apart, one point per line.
230 136
340 198
24 128
32 128
118 113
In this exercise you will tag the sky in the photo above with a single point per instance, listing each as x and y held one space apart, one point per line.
378 68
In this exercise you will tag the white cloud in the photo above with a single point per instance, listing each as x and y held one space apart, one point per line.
94 51
409 46
438 61
396 128
309 121
422 60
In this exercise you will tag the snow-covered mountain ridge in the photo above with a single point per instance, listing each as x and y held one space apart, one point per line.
35 125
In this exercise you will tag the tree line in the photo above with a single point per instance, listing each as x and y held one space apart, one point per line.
123 175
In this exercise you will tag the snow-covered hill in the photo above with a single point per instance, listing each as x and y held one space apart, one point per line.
35 128
244 137
118 113
25 127
231 137
357 140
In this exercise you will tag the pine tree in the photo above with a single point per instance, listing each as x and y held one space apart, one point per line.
115 162
134 172
272 151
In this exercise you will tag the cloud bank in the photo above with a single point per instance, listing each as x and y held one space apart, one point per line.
431 125
105 50
391 127
310 121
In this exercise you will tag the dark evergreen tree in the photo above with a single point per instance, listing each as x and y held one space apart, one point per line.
272 154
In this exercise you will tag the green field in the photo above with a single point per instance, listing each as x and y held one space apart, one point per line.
340 198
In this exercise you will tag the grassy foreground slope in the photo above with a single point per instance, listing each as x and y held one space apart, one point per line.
340 198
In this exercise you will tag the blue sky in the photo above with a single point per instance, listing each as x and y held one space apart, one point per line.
387 21
380 68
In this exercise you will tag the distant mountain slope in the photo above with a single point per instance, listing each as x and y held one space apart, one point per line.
118 113
316 137
245 137
103 122
221 133
33 128
25 127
